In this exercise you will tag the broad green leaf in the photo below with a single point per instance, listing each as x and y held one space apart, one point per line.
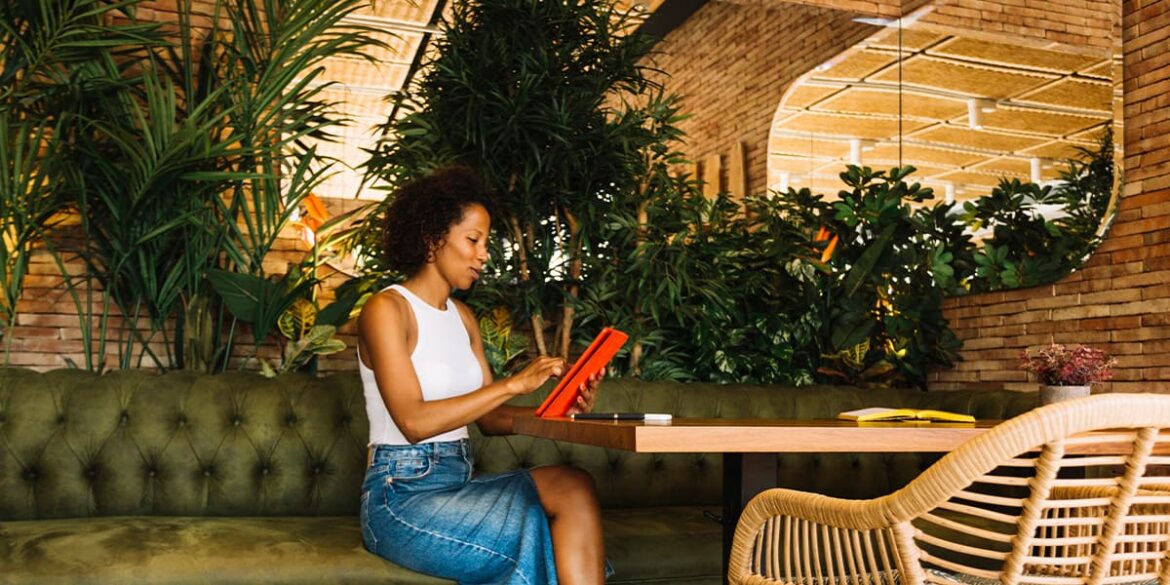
861 270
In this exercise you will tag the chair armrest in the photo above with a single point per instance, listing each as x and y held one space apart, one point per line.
799 537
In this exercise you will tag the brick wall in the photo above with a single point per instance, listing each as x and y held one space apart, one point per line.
48 332
883 8
1120 301
732 62
1074 24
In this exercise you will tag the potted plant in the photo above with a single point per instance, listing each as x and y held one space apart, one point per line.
1065 372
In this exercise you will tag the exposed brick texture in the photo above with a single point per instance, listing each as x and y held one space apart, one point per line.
1074 24
732 62
1120 300
48 332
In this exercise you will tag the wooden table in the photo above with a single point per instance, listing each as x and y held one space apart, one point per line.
749 446
729 435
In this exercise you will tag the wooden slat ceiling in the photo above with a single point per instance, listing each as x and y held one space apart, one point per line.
1040 103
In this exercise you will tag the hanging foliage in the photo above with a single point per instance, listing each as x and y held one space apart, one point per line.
548 100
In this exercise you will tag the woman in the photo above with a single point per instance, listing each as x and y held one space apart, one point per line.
426 378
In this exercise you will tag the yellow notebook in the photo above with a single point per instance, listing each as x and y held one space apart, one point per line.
882 414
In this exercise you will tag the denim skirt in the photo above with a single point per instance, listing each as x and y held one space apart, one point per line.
422 509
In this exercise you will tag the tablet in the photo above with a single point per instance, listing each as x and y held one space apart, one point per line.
596 356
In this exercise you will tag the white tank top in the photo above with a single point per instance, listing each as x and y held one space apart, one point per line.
443 361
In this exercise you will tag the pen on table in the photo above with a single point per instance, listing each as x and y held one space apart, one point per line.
643 416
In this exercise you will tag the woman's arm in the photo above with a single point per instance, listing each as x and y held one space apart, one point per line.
499 420
384 333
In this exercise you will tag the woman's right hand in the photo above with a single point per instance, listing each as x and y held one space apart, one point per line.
535 374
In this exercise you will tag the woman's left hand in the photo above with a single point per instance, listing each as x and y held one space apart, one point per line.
587 395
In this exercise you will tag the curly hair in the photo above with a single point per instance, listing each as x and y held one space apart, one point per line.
424 209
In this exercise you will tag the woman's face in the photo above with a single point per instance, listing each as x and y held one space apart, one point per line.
462 253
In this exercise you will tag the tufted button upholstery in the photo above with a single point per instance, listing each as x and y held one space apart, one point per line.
132 443
76 444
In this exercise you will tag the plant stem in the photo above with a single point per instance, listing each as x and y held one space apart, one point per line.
525 279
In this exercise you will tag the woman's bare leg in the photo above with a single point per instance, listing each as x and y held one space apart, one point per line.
569 497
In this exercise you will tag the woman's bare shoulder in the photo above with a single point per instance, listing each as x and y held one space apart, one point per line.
464 310
387 305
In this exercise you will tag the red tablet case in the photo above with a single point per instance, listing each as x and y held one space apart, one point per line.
596 356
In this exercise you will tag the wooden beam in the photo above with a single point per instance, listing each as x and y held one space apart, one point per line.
669 15
737 171
712 168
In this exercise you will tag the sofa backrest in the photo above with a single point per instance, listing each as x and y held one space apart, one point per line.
78 444
75 444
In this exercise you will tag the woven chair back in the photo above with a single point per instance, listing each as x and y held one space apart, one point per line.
1055 509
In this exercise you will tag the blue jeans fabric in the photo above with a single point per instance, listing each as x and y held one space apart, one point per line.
422 509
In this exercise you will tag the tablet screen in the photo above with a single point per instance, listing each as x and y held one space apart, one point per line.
596 357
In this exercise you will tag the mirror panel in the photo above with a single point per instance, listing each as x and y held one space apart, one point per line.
966 110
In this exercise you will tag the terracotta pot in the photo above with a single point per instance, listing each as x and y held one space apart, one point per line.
1050 394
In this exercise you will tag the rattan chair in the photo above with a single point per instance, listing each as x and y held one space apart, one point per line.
1009 507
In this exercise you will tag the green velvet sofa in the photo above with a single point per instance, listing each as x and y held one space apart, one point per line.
133 478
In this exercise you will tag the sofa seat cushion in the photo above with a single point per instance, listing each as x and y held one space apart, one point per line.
180 550
645 545
667 544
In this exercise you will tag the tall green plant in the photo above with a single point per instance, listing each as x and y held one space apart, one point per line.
1039 234
709 289
55 58
27 200
289 303
1024 248
894 266
530 93
717 290
203 166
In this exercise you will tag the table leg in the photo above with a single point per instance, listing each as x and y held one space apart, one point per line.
744 476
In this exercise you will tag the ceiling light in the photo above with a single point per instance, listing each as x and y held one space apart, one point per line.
855 151
901 22
876 21
831 63
950 192
974 114
1035 170
784 177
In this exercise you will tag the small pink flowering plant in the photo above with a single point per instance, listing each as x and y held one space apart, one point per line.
1057 365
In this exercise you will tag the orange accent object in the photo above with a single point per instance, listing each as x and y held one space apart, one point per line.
828 253
316 212
822 235
311 223
596 356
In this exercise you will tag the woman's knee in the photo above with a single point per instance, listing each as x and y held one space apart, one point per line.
563 484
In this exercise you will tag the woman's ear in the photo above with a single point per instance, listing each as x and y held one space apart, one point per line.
434 250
